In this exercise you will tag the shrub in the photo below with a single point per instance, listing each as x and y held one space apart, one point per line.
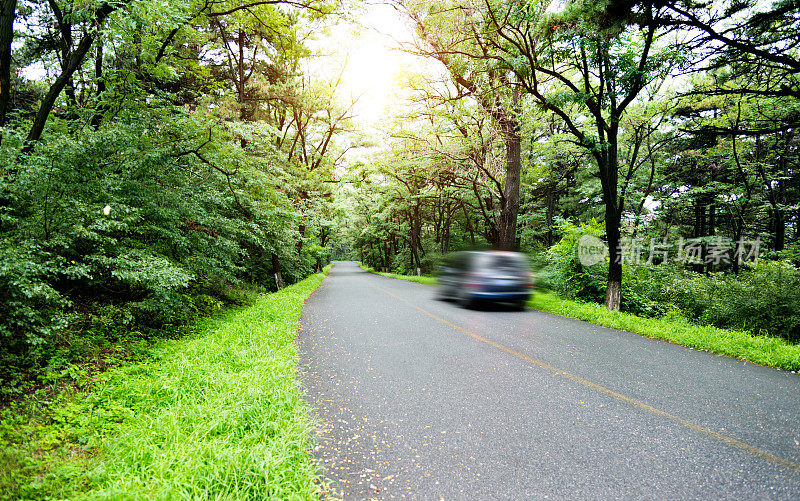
762 299
641 288
566 275
765 299
33 311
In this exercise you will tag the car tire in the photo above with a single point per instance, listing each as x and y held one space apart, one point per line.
465 300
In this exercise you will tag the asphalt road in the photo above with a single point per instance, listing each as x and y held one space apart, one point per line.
421 399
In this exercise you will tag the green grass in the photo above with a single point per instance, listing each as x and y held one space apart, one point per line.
762 350
217 415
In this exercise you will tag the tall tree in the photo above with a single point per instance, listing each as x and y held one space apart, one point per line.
7 14
587 68
448 33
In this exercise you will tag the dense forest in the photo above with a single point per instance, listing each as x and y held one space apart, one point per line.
161 160
668 130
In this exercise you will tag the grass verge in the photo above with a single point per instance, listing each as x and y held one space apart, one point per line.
762 350
216 415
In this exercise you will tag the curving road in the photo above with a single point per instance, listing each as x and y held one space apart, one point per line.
418 398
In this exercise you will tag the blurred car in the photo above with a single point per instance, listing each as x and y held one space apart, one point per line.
495 276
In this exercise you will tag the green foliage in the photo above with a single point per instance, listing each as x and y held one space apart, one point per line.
150 199
214 415
764 299
32 309
640 288
64 257
565 273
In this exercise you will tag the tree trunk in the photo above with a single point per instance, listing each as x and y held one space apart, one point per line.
385 256
470 230
780 230
699 230
302 230
712 222
797 226
416 244
323 240
7 13
507 238
780 224
550 214
276 271
737 250
608 165
76 58
510 210
613 297
437 221
446 237
101 87
244 114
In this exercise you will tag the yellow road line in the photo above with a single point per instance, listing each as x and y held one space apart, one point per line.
732 442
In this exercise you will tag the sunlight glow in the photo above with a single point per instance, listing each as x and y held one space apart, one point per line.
369 63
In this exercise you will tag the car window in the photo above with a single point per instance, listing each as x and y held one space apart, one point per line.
503 262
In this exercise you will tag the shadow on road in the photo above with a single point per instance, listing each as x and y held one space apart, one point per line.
488 306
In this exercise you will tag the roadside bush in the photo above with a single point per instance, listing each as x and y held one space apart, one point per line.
431 261
401 263
116 230
565 273
641 288
763 298
33 311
